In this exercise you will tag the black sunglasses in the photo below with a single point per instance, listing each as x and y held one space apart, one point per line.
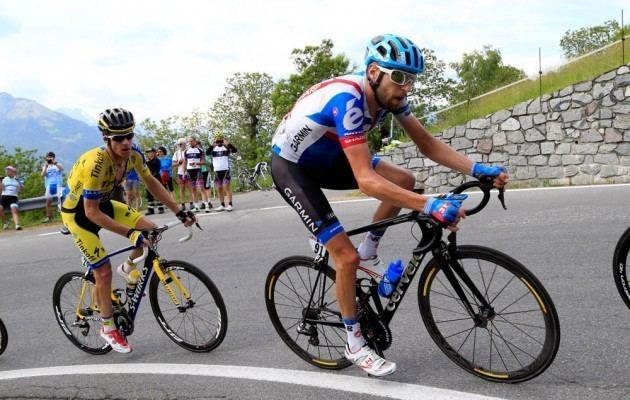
120 138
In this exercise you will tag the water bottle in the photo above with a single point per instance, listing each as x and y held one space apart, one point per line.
390 278
134 277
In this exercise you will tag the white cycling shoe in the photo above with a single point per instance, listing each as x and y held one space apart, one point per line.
374 264
370 362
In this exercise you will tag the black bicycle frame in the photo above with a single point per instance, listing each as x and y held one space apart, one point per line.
431 240
147 269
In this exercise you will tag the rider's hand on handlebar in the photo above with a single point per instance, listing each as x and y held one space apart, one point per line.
137 238
187 217
447 210
499 174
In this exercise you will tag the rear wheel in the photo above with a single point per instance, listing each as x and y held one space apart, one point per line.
198 323
311 328
513 340
76 312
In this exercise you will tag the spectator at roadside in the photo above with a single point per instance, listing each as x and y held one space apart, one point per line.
10 186
154 166
195 158
220 151
132 190
205 188
52 171
166 169
179 161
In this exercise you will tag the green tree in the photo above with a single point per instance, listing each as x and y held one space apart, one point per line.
313 65
482 71
583 40
432 89
28 164
164 132
243 113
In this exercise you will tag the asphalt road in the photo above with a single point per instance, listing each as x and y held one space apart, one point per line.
565 236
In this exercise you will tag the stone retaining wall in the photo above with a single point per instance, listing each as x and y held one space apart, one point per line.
576 136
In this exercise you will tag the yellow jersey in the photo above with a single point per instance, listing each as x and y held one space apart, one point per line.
93 175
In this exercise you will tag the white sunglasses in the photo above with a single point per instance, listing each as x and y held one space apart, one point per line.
399 77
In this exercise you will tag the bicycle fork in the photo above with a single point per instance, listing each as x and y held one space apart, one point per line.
452 270
169 279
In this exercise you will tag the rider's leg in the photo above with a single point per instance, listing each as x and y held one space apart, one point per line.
346 261
404 179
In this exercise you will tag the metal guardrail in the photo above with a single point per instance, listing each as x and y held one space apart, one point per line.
35 203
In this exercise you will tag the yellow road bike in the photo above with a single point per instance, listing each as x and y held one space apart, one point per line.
185 302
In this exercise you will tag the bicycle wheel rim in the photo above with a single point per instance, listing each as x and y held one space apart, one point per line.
4 337
201 325
517 344
82 332
287 293
620 267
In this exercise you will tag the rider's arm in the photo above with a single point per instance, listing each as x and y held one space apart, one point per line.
44 168
94 214
433 148
374 185
231 147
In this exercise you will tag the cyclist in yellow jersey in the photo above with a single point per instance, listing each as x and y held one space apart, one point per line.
89 207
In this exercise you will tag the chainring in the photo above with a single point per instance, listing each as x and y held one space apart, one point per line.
376 333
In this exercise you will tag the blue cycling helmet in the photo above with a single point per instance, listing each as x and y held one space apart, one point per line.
392 51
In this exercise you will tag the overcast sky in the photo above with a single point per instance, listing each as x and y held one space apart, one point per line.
160 58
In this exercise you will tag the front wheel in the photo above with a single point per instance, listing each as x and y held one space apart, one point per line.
620 267
512 339
76 312
199 321
4 337
302 306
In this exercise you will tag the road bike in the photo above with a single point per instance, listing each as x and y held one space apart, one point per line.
487 312
620 266
184 300
4 337
257 178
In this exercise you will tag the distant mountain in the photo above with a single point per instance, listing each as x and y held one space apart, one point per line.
78 114
30 125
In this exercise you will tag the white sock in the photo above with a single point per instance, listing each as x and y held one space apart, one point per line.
355 338
368 246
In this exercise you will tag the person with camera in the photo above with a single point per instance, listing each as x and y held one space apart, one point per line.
52 171
220 150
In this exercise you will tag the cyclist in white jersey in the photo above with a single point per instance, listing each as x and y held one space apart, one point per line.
322 143
53 182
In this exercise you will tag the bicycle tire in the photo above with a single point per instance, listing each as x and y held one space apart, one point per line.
180 324
4 337
83 333
513 291
620 266
287 282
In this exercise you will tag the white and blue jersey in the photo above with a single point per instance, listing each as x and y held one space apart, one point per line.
326 118
308 148
52 181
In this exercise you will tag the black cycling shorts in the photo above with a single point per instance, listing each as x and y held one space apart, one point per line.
301 187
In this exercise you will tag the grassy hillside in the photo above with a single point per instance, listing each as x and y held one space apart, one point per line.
584 69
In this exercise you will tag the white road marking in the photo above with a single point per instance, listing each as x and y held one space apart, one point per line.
49 233
369 386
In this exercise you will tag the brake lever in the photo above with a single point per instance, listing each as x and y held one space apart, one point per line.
501 197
